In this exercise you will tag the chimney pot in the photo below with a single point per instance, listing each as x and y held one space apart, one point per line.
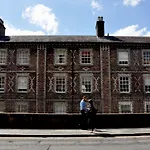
100 27
100 18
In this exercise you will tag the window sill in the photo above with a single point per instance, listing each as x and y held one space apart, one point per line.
86 64
60 64
22 64
22 92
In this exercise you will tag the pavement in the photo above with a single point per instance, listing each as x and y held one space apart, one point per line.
74 132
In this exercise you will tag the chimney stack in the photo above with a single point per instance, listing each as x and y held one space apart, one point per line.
2 28
100 27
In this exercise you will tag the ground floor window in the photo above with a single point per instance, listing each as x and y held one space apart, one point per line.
125 107
147 107
21 107
2 106
60 107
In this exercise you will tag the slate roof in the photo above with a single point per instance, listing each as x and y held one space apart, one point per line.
69 38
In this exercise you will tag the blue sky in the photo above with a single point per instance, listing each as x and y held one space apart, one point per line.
75 17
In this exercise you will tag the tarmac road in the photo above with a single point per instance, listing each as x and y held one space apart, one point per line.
75 143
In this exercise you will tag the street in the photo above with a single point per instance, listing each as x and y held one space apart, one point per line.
76 143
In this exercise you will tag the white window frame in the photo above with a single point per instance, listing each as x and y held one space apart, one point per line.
57 58
146 82
57 75
82 86
3 60
20 59
148 61
2 90
60 107
145 106
22 75
125 75
121 62
126 103
21 105
91 56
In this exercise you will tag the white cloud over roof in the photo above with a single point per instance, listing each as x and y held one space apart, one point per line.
43 17
132 3
11 30
132 30
96 6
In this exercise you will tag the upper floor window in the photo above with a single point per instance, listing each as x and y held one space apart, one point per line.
23 56
86 56
3 56
60 56
2 82
124 83
123 57
146 78
86 81
147 107
125 107
22 83
60 83
146 57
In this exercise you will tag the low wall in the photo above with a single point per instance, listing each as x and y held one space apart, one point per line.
72 121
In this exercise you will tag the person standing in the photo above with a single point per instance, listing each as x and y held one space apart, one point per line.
91 115
83 111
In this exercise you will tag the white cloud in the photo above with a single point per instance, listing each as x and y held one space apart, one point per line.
96 6
11 30
42 16
132 3
132 30
148 33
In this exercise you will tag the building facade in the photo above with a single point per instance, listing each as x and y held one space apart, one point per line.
50 74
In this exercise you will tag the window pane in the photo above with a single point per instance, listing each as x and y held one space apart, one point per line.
147 108
60 82
126 108
60 56
124 84
147 79
123 58
22 83
60 107
23 57
146 57
2 83
21 107
86 56
86 84
3 56
2 106
147 82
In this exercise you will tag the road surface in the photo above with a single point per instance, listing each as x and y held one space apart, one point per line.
76 143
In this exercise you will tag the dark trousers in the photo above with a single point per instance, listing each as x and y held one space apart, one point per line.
91 122
84 118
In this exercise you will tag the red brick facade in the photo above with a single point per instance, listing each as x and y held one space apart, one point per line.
42 97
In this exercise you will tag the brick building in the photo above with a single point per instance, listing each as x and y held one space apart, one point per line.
50 74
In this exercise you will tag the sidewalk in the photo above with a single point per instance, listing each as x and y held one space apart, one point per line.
74 132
